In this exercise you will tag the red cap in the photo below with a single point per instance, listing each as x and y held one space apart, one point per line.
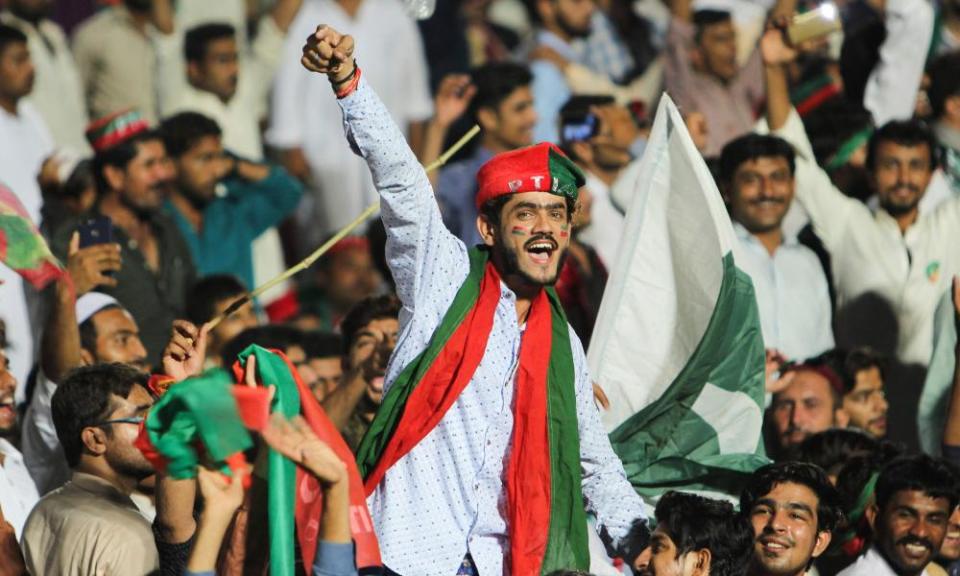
539 168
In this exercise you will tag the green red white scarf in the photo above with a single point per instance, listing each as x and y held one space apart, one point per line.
210 413
546 519
294 497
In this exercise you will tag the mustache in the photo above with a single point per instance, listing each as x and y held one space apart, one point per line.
906 540
540 237
911 187
769 200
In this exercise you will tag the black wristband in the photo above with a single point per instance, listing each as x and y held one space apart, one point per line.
346 80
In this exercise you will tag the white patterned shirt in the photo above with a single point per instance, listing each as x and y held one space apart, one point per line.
447 496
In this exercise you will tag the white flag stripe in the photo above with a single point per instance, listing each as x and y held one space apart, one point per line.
664 286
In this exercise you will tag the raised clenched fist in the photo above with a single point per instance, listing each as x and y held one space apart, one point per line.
329 52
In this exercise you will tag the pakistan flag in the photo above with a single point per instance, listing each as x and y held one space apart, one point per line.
677 347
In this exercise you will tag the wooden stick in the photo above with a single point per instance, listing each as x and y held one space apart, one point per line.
363 217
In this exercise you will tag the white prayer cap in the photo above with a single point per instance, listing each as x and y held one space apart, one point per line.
91 303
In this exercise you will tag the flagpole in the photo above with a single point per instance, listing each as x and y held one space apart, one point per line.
363 217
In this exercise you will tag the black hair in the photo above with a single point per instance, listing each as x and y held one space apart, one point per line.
365 312
533 13
318 344
696 523
273 337
495 82
907 133
852 362
765 479
918 472
84 398
79 180
944 81
635 542
10 35
182 131
207 292
704 18
197 38
750 147
119 156
492 209
831 449
3 335
88 330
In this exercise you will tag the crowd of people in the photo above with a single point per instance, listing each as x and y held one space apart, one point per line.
177 154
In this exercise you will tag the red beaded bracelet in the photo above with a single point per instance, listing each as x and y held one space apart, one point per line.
351 84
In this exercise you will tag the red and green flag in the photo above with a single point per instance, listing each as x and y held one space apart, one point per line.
22 248
192 419
294 497
546 519
209 416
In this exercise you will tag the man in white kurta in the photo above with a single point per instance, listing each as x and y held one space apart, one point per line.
303 115
25 144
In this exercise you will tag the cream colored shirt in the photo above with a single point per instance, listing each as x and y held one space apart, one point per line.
117 64
57 92
871 258
240 117
88 527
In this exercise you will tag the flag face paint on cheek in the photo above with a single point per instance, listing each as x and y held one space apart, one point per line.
520 231
565 231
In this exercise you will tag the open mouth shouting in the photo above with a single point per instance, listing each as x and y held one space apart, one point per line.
540 249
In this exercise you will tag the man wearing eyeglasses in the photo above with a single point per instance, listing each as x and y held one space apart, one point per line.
91 526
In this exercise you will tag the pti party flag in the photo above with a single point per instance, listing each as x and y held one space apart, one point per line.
677 346
294 497
22 248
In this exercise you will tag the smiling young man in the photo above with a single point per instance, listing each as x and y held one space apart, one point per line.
915 496
757 182
793 509
889 262
484 361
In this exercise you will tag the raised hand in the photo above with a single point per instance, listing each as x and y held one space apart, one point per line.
329 52
774 47
453 97
91 266
186 351
295 440
221 495
775 381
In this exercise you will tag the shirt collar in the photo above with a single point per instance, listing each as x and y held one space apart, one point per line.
745 236
878 564
99 487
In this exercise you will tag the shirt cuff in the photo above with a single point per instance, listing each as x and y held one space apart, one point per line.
334 559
